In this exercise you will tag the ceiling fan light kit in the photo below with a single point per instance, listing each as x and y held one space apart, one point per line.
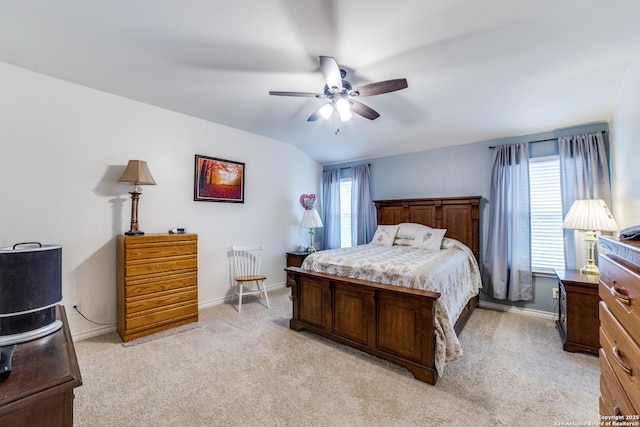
344 109
326 110
340 94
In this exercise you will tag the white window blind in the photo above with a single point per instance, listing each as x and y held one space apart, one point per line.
547 243
345 212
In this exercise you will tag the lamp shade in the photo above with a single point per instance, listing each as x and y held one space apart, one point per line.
138 173
590 215
311 219
326 110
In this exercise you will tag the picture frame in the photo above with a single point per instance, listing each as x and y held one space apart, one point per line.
218 180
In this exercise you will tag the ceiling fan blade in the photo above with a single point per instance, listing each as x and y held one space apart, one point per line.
331 73
363 110
315 116
381 87
305 94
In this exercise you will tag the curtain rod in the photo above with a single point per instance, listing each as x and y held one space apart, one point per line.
349 167
540 140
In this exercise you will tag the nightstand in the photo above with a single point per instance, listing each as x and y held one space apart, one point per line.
578 322
295 259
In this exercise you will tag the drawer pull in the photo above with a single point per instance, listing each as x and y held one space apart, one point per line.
616 411
620 294
620 361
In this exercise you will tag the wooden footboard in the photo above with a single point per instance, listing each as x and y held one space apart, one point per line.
390 322
472 304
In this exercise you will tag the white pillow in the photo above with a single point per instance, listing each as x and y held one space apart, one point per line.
408 230
402 242
384 235
429 239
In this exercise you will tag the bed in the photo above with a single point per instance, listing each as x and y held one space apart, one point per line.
396 323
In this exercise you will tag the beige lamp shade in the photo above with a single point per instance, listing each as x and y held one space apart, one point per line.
137 172
590 215
311 219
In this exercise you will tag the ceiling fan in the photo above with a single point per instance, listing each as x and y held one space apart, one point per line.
341 96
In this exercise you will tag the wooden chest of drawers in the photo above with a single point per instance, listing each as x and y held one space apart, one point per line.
157 283
619 290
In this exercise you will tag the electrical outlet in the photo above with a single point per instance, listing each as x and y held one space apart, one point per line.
556 294
75 307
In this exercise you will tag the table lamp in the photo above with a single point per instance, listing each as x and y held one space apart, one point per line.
137 173
311 220
590 215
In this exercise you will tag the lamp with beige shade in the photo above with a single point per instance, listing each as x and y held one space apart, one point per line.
590 215
137 173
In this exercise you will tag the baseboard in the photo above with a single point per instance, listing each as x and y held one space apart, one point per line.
93 333
206 304
223 300
517 310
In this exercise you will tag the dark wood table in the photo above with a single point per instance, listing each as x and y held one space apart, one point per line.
578 321
39 391
295 259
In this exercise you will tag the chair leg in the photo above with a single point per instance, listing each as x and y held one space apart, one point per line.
262 287
240 298
235 292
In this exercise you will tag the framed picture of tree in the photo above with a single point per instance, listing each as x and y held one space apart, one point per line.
218 180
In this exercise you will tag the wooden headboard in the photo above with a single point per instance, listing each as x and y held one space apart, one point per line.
459 215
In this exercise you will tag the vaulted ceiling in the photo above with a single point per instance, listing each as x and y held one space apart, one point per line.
476 70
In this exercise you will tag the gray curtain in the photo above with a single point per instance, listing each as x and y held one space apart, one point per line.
584 174
363 212
507 262
331 209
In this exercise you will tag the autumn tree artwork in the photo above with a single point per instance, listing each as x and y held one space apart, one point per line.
218 180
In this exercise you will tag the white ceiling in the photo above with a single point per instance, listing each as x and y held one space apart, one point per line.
477 70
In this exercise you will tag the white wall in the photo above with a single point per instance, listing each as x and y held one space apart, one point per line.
62 150
625 151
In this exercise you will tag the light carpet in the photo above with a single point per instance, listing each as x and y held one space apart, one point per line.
250 369
162 334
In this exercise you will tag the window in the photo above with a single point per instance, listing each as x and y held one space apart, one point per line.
345 212
547 242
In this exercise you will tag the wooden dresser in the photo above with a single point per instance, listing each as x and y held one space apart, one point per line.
619 290
157 283
39 390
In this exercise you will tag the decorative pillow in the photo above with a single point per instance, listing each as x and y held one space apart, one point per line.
402 242
449 243
430 239
408 230
384 235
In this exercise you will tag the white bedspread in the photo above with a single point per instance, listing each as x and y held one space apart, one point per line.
452 271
